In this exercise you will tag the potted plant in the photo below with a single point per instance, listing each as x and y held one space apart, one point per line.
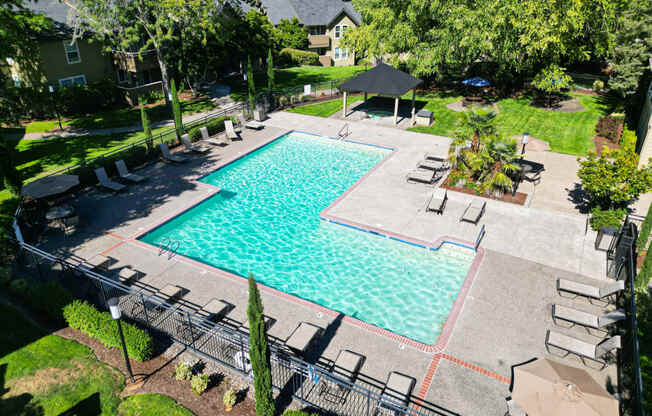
229 400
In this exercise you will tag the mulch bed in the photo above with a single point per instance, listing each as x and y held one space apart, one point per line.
157 379
518 198
600 142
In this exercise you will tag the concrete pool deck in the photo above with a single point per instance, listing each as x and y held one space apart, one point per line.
506 311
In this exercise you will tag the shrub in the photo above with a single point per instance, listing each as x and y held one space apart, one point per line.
99 325
598 85
607 218
199 383
610 128
298 413
644 275
214 127
229 398
644 232
18 287
291 56
628 139
182 371
5 276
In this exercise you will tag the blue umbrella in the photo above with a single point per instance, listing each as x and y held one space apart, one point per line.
476 82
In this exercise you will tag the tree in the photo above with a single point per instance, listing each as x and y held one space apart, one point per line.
291 34
270 71
633 46
259 352
551 81
147 128
257 34
142 25
176 109
9 175
250 84
475 124
613 179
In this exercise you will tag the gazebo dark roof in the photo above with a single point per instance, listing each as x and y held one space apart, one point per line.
382 79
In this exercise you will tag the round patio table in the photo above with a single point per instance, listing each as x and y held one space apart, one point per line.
59 212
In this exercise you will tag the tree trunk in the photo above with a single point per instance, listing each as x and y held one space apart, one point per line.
164 77
475 145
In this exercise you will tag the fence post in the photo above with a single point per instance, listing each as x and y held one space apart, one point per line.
192 336
368 401
142 301
106 305
242 352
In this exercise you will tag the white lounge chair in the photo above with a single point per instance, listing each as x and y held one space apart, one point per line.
344 370
165 151
107 183
602 294
251 124
433 156
589 321
474 211
230 131
185 138
437 201
124 173
594 352
395 395
433 163
422 176
216 141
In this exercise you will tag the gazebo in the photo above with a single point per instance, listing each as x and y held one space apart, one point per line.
382 80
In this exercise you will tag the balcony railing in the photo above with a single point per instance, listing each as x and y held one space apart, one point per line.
319 41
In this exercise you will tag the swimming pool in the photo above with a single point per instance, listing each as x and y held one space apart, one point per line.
265 220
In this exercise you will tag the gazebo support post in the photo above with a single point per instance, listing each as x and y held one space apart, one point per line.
365 97
344 106
395 110
414 93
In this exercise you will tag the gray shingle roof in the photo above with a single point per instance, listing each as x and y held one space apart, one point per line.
57 12
309 12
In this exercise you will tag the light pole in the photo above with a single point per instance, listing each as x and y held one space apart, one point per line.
526 139
114 307
54 101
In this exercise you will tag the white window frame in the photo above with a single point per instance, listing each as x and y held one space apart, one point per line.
340 30
340 53
72 79
70 44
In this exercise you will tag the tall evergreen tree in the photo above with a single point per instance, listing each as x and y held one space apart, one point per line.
147 128
270 71
259 352
176 108
251 85
8 173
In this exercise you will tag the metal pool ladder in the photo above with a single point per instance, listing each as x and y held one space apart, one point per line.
479 238
169 246
344 132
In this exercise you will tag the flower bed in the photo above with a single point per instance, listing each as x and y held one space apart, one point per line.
519 198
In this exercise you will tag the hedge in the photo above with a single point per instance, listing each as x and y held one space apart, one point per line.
299 413
291 56
610 128
606 218
214 127
645 274
99 325
644 232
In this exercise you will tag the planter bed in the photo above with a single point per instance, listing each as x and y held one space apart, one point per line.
519 198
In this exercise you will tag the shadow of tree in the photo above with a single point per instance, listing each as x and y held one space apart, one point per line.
579 197
17 405
90 406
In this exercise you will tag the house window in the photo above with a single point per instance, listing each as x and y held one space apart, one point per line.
341 53
72 52
122 76
70 81
340 30
317 30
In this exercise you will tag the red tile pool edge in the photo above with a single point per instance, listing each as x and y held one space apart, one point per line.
447 329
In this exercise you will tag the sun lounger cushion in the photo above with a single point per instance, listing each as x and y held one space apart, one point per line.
571 344
302 337
437 200
125 174
398 389
193 147
165 151
431 164
589 291
230 131
347 365
575 316
105 182
421 176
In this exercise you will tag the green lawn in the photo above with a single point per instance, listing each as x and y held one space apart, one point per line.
324 108
293 77
151 405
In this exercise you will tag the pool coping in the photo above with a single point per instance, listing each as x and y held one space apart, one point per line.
448 326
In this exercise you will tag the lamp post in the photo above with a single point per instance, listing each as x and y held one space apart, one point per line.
54 101
526 139
114 308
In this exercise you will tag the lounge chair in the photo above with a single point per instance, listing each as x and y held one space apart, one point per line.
302 338
251 124
433 164
124 173
215 309
589 321
395 395
343 371
165 151
107 183
216 141
185 138
433 156
584 350
423 176
96 263
474 211
437 202
230 131
602 294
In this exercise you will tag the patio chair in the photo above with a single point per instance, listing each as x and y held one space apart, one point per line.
230 131
107 183
301 339
124 173
587 320
216 141
99 262
433 164
251 124
395 396
433 156
474 211
599 353
343 371
215 309
185 138
604 295
165 151
437 202
423 176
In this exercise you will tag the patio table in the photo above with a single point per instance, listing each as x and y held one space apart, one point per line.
59 212
302 337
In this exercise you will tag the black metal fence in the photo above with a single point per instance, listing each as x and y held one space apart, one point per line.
311 384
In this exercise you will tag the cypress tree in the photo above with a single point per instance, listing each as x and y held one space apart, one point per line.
176 109
250 83
147 128
259 352
270 71
9 175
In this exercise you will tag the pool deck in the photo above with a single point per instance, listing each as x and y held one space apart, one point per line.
502 321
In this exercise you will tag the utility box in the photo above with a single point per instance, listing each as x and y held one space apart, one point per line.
424 117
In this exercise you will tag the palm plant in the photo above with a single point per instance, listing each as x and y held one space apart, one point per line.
498 155
475 124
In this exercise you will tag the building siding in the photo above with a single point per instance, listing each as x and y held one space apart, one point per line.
94 65
343 19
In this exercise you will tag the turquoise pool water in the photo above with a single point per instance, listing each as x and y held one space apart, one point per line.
265 220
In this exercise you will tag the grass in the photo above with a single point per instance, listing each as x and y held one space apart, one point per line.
292 77
151 405
324 108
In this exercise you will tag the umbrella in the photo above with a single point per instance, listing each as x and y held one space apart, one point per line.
50 185
476 82
544 387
